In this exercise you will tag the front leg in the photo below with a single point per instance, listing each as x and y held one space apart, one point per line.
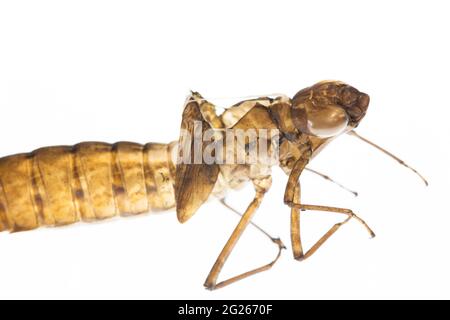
295 226
292 199
294 176
292 195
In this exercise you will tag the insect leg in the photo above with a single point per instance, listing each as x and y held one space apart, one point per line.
292 199
331 180
273 239
299 166
292 195
211 280
295 226
296 240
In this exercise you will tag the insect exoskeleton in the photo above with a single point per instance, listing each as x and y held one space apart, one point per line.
214 153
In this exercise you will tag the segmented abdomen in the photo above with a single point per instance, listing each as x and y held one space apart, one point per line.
89 181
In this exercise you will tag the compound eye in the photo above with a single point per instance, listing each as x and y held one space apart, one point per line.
327 121
349 96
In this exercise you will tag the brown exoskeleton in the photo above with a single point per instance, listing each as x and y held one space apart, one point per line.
92 180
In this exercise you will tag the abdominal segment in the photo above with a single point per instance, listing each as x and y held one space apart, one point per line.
89 181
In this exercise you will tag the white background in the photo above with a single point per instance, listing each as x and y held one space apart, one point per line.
112 70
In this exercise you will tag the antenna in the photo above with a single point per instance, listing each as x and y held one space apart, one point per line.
353 133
